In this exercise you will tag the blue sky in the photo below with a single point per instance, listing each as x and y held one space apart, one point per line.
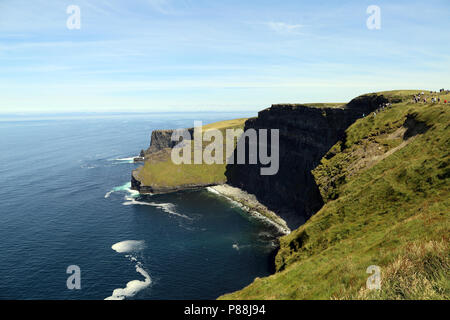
198 55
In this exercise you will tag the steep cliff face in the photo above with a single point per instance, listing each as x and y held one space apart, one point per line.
387 203
161 139
306 134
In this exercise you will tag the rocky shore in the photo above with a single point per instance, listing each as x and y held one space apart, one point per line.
249 203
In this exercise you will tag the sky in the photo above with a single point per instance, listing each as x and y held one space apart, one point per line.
208 55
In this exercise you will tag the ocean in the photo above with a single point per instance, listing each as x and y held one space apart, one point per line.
65 201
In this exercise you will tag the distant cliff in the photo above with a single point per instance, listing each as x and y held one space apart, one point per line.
161 139
160 175
306 134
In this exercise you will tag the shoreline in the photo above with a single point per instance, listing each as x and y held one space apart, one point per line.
250 204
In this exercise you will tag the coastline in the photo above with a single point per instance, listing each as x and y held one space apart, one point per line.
250 204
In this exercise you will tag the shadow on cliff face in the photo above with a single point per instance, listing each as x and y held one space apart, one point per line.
413 126
292 192
306 135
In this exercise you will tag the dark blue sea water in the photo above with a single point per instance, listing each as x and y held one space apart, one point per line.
64 200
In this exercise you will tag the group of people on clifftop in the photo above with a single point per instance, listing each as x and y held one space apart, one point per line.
417 98
380 108
420 97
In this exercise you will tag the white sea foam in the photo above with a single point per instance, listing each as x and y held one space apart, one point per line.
133 194
123 188
124 160
166 207
108 194
84 166
237 246
134 286
212 190
129 246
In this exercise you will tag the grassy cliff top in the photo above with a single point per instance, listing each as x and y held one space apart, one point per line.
387 201
227 124
399 95
319 105
160 171
404 95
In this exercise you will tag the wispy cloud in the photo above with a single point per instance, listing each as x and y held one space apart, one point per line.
156 54
284 28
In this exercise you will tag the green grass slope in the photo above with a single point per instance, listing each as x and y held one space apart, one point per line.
387 203
160 171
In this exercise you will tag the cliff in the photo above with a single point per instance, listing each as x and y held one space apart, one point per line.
161 139
385 192
306 134
136 184
370 180
160 175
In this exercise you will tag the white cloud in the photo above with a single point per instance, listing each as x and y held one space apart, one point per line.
284 28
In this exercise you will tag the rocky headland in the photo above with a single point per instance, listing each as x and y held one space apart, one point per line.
307 132
359 184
